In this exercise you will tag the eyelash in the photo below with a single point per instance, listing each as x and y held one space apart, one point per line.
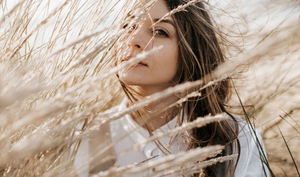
125 25
159 32
133 27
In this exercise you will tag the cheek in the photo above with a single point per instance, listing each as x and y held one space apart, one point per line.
171 57
168 61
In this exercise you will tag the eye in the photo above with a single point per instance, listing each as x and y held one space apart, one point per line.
125 25
161 32
131 28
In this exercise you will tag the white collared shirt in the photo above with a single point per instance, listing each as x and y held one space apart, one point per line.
127 133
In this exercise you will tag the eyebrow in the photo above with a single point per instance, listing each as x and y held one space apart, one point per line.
158 19
165 21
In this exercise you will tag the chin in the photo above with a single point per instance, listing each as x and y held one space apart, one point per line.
128 81
130 78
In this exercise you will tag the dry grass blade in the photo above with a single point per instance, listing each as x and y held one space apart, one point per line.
11 12
200 122
290 152
163 163
10 98
196 168
20 45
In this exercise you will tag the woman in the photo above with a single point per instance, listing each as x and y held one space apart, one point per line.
190 51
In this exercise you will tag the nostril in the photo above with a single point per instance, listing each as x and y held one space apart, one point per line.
134 43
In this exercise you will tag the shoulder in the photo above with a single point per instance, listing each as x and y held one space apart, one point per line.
252 151
90 144
248 135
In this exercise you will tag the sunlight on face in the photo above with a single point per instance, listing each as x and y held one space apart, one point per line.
157 70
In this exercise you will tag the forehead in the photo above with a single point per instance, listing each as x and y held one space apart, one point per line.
158 10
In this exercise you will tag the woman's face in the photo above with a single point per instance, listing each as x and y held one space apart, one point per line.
157 70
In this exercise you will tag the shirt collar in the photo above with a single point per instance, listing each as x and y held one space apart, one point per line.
138 134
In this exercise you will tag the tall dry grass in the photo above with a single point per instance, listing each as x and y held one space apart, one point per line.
57 76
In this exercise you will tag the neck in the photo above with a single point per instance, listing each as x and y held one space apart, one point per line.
157 113
147 90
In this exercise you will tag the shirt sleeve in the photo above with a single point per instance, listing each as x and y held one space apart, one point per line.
250 163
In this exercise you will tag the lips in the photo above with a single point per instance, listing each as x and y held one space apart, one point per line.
140 63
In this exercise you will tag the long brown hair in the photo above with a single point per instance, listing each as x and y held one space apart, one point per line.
199 54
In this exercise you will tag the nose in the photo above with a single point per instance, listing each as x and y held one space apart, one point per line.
138 38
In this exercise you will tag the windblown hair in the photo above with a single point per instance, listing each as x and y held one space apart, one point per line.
199 54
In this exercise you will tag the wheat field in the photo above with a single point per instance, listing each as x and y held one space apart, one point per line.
57 75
